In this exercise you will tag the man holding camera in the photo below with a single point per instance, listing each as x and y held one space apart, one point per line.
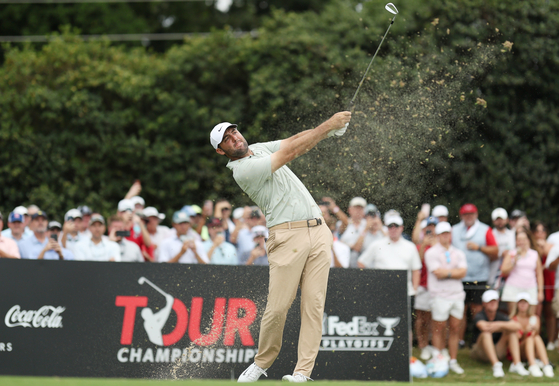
360 239
41 245
183 247
71 235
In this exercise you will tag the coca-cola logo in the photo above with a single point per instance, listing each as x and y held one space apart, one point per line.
44 317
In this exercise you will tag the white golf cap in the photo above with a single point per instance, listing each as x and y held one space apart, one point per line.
124 205
138 200
523 296
393 220
499 213
489 295
72 214
21 210
439 210
150 211
216 136
358 201
442 227
238 213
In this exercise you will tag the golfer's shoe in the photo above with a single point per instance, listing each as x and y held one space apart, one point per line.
296 377
252 373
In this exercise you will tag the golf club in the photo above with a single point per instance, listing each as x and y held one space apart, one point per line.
393 10
143 280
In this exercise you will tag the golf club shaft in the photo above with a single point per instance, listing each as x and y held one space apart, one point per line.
155 287
350 107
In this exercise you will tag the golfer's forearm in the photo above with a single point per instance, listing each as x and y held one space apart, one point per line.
287 141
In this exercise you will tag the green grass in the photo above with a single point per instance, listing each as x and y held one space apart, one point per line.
475 372
481 373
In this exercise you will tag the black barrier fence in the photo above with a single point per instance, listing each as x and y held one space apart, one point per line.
173 321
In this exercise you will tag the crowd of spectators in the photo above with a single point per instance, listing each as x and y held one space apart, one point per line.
462 277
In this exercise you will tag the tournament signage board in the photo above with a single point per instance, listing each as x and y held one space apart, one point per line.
177 321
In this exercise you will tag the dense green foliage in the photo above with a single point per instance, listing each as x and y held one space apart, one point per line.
449 113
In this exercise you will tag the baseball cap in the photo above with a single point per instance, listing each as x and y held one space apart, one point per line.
393 220
150 211
499 213
72 214
259 230
468 208
440 210
179 217
216 136
97 218
238 213
196 209
214 222
86 210
126 204
15 217
39 214
489 295
358 201
21 210
517 213
442 227
523 296
54 224
432 220
372 210
188 210
138 200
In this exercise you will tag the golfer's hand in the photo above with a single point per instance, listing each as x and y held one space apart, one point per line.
339 123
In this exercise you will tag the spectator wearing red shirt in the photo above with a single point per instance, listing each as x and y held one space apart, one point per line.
477 241
138 231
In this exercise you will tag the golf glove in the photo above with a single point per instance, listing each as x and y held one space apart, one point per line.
339 132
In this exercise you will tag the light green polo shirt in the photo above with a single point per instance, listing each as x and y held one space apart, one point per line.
281 196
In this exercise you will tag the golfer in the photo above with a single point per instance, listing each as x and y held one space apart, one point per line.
299 245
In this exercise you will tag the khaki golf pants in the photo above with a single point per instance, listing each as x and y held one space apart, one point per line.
298 257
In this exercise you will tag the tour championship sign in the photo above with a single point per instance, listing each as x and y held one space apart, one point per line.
177 321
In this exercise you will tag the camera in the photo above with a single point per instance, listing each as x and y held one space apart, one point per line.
428 232
185 238
54 236
122 233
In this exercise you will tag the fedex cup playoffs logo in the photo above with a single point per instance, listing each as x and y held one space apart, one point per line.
230 317
357 335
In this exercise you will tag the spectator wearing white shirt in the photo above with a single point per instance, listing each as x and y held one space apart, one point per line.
8 246
506 241
129 250
157 232
356 227
394 252
245 239
183 247
86 218
71 235
97 248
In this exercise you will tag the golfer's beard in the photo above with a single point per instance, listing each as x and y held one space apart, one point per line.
238 153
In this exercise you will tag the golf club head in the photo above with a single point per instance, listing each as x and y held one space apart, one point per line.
391 8
141 280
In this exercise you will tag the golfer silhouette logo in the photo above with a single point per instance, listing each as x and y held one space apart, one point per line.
154 322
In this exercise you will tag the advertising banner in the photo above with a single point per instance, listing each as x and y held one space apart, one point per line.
176 321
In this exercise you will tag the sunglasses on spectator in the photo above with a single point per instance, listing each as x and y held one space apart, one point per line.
393 226
223 209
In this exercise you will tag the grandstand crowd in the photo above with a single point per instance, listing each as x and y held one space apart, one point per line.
491 282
